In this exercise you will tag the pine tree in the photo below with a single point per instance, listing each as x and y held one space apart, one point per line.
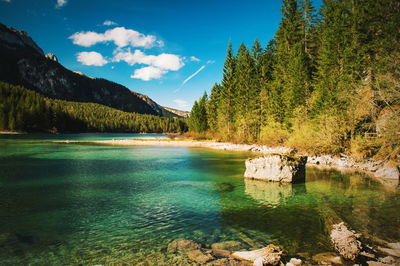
198 115
228 93
266 67
289 44
213 107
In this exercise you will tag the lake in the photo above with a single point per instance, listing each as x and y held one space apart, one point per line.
92 204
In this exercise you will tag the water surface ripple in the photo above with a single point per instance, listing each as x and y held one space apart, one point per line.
70 204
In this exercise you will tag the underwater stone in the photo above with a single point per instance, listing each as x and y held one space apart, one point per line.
227 245
269 254
199 257
345 241
327 258
182 245
280 168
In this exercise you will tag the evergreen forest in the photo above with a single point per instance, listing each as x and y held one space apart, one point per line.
25 110
329 81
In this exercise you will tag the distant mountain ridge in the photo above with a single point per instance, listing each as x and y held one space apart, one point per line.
177 112
24 63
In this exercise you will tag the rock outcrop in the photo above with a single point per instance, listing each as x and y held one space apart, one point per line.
280 168
52 57
376 168
389 171
177 112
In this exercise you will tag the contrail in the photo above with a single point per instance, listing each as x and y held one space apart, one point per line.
190 77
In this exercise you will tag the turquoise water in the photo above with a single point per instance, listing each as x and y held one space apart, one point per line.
69 204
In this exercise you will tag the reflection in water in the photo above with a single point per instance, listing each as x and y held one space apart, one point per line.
272 193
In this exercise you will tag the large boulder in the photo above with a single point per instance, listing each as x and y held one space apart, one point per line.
280 168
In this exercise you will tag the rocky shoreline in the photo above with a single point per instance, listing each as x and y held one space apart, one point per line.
387 173
347 250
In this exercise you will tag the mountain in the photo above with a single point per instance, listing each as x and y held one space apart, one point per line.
24 63
177 112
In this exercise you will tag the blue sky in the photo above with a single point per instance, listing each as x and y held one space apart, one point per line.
150 46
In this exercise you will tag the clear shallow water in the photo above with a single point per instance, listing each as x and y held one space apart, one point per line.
70 204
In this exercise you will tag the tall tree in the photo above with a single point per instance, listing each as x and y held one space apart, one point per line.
228 93
213 107
198 115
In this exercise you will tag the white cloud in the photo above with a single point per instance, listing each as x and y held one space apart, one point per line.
148 73
161 61
109 23
91 59
181 103
193 58
61 3
193 75
120 36
8 1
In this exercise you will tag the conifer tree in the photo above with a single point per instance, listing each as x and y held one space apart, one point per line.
213 107
228 93
198 115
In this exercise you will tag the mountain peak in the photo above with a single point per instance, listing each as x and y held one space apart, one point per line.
25 64
14 38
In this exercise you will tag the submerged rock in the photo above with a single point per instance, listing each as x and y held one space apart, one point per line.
228 262
294 262
199 257
269 254
388 260
221 253
271 259
182 245
394 245
389 251
327 258
227 245
224 187
281 168
345 241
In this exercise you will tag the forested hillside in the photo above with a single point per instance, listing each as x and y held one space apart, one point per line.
24 63
328 82
26 110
